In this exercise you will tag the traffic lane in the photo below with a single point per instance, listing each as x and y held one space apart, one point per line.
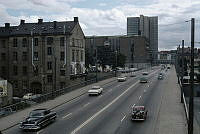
109 121
67 109
152 101
71 122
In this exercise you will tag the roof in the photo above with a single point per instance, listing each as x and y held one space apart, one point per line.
38 28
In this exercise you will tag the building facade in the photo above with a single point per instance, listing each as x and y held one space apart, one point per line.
134 48
147 27
41 57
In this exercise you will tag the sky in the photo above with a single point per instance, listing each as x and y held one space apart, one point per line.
109 17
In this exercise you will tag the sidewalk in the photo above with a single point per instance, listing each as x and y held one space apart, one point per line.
171 119
14 119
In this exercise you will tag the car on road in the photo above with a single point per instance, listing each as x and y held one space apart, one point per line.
143 80
37 119
145 73
160 76
96 90
121 78
139 113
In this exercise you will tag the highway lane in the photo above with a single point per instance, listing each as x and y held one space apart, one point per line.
75 112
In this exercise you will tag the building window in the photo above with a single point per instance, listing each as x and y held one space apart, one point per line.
3 56
81 55
49 78
73 42
3 70
24 42
15 70
15 42
49 51
73 55
62 40
24 70
77 55
24 56
49 40
35 56
15 84
35 41
24 84
49 65
3 43
62 72
15 57
62 56
62 85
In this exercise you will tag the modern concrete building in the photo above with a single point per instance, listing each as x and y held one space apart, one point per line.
147 27
41 57
134 48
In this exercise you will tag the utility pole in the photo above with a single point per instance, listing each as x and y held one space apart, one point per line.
191 100
182 70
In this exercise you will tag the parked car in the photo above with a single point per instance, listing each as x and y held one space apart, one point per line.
145 73
121 78
37 119
139 113
96 90
6 111
28 96
143 80
32 96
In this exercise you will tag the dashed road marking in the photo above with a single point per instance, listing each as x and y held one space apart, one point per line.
123 118
66 115
86 104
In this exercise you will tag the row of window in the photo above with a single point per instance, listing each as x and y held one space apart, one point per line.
25 83
75 55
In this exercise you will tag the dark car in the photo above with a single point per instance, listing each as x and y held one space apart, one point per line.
139 113
37 119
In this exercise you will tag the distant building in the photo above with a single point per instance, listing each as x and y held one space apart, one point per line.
103 49
145 26
41 57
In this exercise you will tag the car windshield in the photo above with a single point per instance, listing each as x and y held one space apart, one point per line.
138 109
36 114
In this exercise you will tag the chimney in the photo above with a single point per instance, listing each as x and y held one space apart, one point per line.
54 24
7 25
75 19
40 21
22 22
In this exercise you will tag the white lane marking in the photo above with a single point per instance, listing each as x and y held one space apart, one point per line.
140 97
123 118
103 109
145 91
66 115
86 104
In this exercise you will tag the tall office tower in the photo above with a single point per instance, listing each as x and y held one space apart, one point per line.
153 29
133 26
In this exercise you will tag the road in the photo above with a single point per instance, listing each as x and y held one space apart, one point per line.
109 113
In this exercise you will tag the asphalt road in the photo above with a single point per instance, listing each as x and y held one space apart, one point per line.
108 113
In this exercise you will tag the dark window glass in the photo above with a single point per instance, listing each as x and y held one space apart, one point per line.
35 41
3 70
62 72
73 55
3 56
3 43
24 42
62 40
81 55
49 65
62 56
62 85
49 78
77 55
15 56
49 40
49 51
24 69
24 56
35 56
15 70
15 42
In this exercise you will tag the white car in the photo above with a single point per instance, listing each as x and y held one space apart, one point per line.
121 78
96 90
28 96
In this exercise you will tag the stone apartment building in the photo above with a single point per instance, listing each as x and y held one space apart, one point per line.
135 48
41 57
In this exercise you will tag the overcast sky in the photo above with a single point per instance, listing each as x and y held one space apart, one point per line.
109 17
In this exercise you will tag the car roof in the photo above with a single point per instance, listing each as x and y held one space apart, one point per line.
40 109
95 86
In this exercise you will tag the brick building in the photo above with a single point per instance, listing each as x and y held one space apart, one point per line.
41 57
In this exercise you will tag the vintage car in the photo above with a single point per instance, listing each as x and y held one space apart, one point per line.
139 113
143 80
121 78
96 90
37 119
